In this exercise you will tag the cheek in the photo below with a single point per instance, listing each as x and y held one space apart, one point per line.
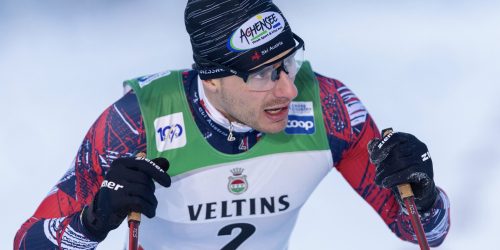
248 109
236 102
248 105
237 99
244 105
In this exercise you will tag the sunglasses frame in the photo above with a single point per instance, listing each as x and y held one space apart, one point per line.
245 74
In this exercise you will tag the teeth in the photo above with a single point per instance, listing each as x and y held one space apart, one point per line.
273 111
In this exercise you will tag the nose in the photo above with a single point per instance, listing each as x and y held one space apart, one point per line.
285 87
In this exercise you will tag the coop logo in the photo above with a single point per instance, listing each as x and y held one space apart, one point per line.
170 132
300 118
300 125
256 31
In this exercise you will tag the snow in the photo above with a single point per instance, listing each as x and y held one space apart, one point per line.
425 67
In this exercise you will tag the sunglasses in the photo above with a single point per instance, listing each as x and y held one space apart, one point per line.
264 77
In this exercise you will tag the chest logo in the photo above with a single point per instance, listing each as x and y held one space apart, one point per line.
300 119
170 132
238 183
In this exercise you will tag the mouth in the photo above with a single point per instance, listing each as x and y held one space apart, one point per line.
278 113
275 110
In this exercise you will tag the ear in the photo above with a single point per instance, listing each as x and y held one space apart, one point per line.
211 85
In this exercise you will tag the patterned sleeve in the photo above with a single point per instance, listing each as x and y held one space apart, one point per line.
56 223
349 129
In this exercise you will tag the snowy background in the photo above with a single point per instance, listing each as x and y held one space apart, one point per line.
428 67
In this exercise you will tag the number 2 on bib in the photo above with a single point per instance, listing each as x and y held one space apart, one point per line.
246 231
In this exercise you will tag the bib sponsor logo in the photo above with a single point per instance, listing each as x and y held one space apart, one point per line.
301 109
145 80
170 132
300 125
301 118
237 183
257 31
238 208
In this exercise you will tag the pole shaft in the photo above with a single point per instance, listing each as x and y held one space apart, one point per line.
134 219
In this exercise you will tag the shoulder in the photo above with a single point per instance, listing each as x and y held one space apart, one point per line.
342 106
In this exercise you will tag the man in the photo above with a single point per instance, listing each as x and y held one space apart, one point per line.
248 134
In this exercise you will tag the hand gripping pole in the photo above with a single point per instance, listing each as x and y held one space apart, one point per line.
408 198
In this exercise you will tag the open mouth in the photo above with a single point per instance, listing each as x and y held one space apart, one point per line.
276 114
274 111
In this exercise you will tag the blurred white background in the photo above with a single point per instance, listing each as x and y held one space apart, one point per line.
427 67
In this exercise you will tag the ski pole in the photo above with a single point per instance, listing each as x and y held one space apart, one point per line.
406 194
134 219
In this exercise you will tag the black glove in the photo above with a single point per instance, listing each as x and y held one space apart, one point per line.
127 187
402 158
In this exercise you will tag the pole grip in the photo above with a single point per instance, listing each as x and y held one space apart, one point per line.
405 190
134 216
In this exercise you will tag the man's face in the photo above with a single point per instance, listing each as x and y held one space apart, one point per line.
265 111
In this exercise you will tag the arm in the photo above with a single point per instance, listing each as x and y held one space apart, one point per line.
117 132
350 128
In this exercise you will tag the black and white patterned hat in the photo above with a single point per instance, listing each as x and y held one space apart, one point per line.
238 34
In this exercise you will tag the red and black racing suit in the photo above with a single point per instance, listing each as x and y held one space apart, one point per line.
120 132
